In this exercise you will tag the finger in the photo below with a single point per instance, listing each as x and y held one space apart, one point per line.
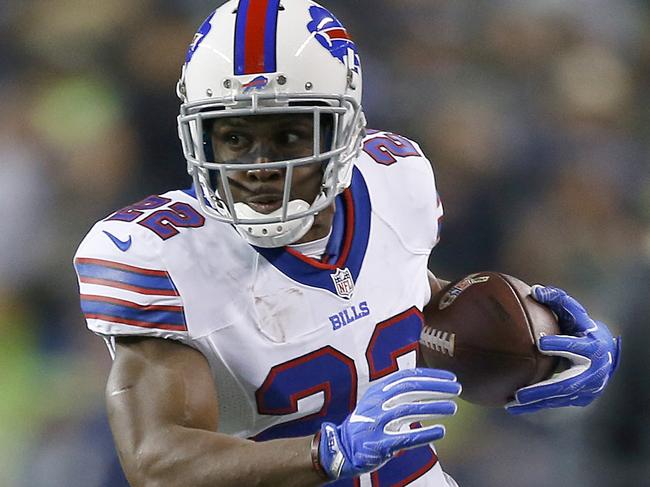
405 376
401 417
422 372
573 317
583 400
406 424
436 373
420 397
599 379
577 379
391 444
426 384
548 295
579 399
585 346
560 385
370 457
515 408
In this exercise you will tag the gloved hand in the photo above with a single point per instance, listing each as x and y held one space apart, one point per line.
380 425
588 345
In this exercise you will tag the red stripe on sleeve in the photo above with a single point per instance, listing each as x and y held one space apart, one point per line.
128 287
122 267
142 324
130 304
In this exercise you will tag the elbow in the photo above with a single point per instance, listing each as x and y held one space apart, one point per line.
146 465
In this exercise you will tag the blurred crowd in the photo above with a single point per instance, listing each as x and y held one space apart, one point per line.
533 112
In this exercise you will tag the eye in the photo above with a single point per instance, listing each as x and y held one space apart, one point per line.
234 140
292 138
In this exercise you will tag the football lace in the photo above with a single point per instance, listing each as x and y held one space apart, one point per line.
439 340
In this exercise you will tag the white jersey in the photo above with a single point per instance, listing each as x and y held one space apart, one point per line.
291 341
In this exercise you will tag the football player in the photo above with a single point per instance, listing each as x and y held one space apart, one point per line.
264 323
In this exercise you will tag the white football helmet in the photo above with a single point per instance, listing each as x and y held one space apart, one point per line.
260 57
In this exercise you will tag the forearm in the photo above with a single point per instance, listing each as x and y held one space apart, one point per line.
181 456
163 411
436 284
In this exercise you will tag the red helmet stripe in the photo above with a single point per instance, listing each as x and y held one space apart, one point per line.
255 24
255 36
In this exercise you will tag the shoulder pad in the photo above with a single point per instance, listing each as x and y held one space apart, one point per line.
124 285
403 188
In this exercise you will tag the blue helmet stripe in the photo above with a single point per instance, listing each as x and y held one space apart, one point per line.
270 37
240 37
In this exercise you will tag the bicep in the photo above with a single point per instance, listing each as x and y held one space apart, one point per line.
154 385
436 284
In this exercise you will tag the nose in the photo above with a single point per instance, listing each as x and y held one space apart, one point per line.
261 158
264 175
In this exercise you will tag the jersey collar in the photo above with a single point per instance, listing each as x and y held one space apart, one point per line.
346 247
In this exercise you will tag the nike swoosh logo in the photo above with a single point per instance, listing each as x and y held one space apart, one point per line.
358 418
122 245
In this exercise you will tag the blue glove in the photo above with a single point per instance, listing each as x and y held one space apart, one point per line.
587 344
380 425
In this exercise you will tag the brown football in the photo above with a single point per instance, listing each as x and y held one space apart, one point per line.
484 328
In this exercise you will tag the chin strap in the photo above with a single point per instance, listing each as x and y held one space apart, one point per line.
276 234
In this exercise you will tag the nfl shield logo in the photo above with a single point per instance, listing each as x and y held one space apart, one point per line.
343 283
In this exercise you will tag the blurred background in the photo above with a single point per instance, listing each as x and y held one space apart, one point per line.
533 112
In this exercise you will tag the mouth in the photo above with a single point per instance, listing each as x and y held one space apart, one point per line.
265 203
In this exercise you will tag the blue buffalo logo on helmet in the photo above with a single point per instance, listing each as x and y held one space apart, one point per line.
331 34
206 26
255 84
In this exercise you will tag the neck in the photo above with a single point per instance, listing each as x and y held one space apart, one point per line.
322 226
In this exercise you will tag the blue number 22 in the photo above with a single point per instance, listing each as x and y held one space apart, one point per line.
386 148
332 373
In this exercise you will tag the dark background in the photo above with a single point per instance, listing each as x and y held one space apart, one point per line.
533 112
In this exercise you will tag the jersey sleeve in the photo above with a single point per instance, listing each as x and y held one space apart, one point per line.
124 287
403 189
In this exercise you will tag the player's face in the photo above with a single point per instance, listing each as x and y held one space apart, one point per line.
263 139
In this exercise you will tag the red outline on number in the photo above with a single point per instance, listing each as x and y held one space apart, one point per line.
150 221
374 476
378 374
136 210
397 140
323 386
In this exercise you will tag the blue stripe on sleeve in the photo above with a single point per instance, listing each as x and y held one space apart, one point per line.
143 315
96 271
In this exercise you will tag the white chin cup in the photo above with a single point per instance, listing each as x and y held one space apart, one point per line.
273 234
